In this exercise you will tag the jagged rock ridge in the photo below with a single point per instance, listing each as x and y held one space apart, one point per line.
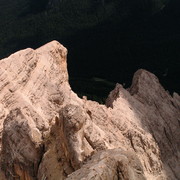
48 132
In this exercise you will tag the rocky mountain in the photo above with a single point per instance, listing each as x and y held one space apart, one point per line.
47 132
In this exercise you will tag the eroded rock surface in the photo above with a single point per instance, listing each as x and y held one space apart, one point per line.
111 164
47 132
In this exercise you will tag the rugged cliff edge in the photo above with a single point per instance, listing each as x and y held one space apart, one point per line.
47 132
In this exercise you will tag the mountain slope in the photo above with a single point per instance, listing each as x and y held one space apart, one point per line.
48 132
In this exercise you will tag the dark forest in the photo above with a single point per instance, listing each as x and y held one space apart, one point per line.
107 40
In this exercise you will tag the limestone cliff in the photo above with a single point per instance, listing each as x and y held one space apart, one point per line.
47 132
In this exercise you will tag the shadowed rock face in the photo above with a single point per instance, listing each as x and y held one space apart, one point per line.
48 132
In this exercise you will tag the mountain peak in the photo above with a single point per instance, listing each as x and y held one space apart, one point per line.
48 132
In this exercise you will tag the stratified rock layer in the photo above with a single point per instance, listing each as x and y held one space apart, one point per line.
47 132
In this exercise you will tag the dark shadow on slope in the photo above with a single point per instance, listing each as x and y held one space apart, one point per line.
95 89
114 50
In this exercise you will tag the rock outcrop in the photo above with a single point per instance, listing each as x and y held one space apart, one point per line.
47 132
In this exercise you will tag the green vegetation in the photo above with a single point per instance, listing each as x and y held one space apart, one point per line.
31 23
27 23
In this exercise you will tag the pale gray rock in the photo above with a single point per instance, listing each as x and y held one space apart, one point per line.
32 86
110 164
47 132
21 146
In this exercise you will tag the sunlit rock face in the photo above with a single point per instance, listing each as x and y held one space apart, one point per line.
48 132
